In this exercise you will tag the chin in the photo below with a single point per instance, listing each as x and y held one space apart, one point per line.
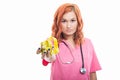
70 34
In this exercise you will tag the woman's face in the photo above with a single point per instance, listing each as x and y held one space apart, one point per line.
69 24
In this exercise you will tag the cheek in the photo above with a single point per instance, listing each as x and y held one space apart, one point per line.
63 26
75 26
75 29
63 29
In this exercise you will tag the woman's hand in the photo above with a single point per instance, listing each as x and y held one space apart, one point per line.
46 55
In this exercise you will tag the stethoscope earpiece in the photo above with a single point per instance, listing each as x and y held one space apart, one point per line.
82 70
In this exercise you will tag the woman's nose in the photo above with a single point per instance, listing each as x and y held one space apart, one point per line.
68 24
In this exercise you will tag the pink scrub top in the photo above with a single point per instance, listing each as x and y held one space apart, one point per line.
62 71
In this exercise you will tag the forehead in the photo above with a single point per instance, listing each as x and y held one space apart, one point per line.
69 15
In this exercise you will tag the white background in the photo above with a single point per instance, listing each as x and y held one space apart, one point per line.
25 23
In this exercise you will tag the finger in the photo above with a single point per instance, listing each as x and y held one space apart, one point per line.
48 53
38 51
43 55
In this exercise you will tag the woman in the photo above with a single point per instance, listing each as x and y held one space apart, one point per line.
76 59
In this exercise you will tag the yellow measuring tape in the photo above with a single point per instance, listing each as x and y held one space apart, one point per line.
50 44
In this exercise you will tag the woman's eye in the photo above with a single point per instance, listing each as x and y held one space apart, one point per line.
63 21
73 20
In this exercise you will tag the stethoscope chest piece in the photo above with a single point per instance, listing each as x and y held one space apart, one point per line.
82 70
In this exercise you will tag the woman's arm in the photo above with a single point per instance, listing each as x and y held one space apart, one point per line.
93 76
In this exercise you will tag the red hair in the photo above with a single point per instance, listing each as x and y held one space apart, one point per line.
57 27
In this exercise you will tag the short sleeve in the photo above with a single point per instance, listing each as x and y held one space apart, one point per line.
95 65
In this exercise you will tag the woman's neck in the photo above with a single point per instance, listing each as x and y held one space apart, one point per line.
70 40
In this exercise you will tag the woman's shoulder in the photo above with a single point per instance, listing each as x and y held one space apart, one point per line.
87 41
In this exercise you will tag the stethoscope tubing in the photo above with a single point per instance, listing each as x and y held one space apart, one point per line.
83 69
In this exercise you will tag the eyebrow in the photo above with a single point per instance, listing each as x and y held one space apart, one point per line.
70 19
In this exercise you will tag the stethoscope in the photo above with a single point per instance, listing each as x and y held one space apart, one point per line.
82 69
